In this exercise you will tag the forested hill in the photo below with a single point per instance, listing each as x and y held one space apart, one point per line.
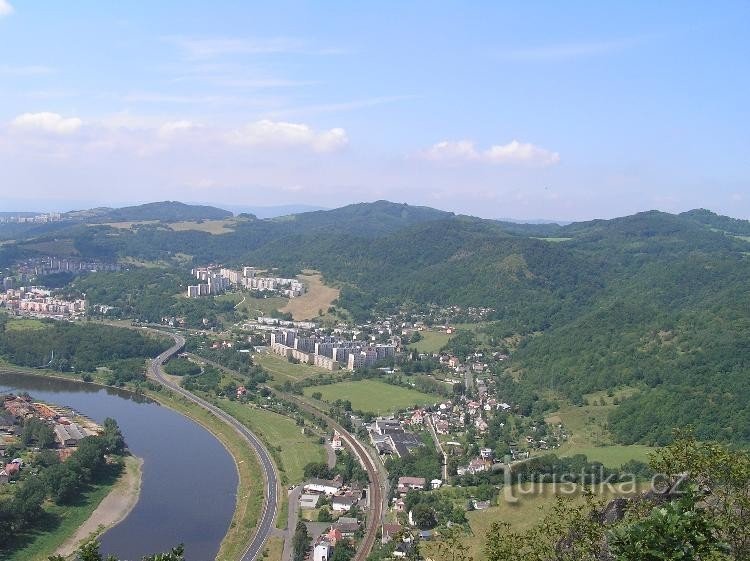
167 211
655 301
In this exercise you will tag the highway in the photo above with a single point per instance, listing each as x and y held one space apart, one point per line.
270 505
375 470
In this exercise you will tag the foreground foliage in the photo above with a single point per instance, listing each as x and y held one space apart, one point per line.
699 510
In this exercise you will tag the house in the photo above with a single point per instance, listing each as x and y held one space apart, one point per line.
486 453
405 484
477 465
308 501
481 505
242 390
334 536
342 503
436 483
68 435
346 529
11 469
4 477
400 506
329 487
337 442
322 551
402 550
389 531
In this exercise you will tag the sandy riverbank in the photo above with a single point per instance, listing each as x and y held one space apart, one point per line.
112 510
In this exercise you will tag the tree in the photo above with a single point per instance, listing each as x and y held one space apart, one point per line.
452 546
677 531
300 542
115 442
90 552
324 515
344 551
424 517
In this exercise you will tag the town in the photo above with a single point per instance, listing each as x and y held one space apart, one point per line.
216 280
39 302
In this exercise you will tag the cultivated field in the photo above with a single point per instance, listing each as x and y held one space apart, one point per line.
318 297
211 226
373 396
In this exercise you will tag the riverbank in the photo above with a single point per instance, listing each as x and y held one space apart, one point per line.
250 494
112 510
61 522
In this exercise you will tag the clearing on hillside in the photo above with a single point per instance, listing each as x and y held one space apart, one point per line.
318 297
215 227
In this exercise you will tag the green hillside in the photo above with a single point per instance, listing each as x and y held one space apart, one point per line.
654 301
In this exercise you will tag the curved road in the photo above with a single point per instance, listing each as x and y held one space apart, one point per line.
375 471
270 505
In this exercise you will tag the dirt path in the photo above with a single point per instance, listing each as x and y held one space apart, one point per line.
112 510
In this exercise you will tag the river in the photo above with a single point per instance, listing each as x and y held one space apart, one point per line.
189 479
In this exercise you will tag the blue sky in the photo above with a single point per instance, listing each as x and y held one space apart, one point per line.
566 110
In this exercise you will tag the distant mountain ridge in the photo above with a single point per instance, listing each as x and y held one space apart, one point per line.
168 211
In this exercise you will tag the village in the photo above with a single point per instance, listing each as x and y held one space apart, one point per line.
55 427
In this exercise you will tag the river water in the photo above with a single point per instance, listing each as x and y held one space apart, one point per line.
189 479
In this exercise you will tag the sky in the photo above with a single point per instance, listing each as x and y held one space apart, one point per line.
557 110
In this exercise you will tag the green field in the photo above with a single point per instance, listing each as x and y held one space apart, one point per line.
431 342
589 435
291 449
24 324
373 396
282 370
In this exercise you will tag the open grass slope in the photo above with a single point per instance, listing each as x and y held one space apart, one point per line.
290 448
373 396
431 341
521 515
318 297
282 370
587 425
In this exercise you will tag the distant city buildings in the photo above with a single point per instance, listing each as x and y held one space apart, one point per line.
38 301
24 217
329 352
215 280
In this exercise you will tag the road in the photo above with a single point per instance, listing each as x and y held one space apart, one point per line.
433 432
270 506
375 471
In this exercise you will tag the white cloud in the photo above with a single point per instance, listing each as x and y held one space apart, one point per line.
172 128
568 51
521 152
514 152
202 48
279 134
452 150
47 122
5 8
